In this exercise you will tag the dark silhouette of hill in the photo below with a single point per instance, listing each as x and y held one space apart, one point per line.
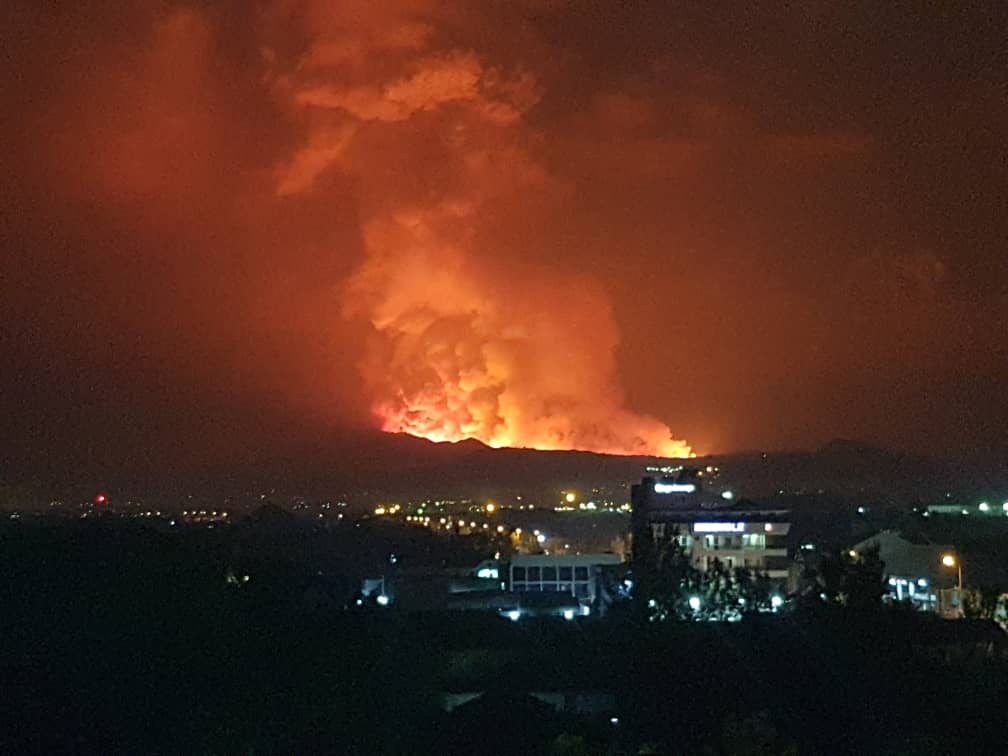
843 469
371 465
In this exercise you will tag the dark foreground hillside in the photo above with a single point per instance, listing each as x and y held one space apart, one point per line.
123 642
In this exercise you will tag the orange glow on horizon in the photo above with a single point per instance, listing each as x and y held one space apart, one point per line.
444 430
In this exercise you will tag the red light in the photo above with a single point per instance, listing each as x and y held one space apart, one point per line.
99 499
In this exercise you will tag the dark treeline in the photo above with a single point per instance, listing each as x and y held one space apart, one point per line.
120 639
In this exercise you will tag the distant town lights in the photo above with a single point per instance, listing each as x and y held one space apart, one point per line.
694 603
776 601
984 506
570 497
727 495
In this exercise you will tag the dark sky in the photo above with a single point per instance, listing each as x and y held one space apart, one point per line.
559 224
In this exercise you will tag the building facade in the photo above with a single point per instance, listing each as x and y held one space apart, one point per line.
572 575
709 526
914 571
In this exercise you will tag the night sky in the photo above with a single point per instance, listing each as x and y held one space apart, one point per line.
556 224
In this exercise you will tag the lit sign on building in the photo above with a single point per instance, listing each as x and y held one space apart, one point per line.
664 488
718 527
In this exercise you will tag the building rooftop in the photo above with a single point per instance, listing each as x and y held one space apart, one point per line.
521 560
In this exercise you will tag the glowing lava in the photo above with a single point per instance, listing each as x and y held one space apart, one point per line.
466 349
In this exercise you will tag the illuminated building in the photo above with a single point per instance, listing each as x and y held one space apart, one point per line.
983 509
914 570
572 575
708 525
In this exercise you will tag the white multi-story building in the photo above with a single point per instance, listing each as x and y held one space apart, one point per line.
748 539
711 526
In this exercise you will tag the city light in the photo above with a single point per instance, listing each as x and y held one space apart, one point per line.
776 601
719 527
382 599
694 603
491 508
984 506
570 497
664 488
568 614
951 560
514 615
541 538
727 495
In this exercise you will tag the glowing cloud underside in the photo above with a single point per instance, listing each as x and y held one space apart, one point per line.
466 342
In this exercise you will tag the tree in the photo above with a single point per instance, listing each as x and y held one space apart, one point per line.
671 583
864 581
981 603
676 590
755 735
856 582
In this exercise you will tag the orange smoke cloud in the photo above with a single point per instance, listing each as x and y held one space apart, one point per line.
466 341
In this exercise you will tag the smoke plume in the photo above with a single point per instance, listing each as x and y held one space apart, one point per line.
469 338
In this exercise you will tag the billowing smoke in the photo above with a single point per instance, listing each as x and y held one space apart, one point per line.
471 337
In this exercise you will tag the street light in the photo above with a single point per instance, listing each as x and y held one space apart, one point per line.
951 560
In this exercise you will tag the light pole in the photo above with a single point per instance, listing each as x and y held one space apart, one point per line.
951 560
